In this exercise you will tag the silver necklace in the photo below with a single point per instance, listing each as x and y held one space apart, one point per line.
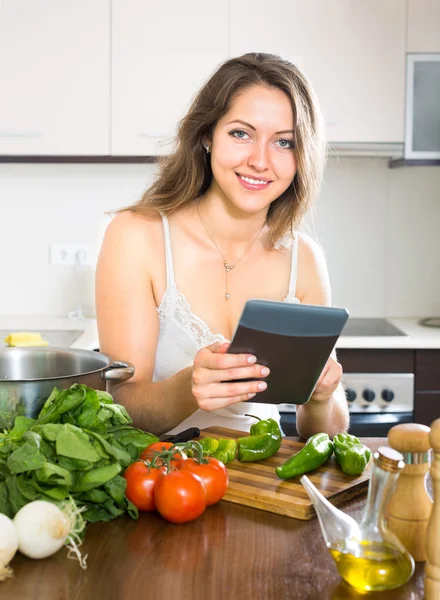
228 267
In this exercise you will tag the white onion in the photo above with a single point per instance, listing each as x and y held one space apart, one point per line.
8 544
42 529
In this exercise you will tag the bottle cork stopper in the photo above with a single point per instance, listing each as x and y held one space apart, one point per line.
434 436
388 459
411 437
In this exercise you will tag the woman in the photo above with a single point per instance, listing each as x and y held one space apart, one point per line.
217 228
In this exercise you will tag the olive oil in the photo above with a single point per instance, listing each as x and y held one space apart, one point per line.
372 565
368 555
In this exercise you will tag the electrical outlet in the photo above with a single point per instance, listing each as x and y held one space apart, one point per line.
73 254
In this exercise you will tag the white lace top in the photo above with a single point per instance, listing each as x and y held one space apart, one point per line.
181 336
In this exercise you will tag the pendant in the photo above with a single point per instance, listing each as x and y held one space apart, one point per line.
228 267
227 296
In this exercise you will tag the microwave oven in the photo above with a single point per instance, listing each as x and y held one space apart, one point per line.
422 106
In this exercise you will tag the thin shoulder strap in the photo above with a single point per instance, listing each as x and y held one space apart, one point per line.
294 266
168 251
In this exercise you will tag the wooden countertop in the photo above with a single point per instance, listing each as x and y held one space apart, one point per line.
229 552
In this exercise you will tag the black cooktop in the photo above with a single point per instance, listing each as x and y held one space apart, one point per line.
370 327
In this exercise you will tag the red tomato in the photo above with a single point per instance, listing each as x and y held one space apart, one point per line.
149 452
141 481
213 474
155 447
180 496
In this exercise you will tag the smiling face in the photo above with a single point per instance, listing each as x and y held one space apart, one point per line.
252 149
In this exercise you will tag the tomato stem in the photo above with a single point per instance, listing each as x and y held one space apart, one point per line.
196 450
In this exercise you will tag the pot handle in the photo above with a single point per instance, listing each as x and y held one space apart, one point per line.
118 371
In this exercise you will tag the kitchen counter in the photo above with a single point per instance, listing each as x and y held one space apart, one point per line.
231 551
88 338
416 335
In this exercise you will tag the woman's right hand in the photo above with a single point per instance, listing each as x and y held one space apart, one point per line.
214 372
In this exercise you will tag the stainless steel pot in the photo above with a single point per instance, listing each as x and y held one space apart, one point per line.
28 376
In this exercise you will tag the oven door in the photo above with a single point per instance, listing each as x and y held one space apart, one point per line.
376 424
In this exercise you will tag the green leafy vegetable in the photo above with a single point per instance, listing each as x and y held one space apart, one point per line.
74 451
25 458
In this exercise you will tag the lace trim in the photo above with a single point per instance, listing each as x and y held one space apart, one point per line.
195 327
284 243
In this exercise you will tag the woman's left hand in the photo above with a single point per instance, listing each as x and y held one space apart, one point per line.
328 382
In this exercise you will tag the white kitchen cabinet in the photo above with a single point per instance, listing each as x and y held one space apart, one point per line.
353 51
423 26
161 54
54 77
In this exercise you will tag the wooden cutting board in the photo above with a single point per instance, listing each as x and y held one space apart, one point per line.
256 484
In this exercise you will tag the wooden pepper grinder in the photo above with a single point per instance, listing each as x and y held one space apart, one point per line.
410 506
432 568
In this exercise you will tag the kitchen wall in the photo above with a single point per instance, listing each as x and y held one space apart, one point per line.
379 228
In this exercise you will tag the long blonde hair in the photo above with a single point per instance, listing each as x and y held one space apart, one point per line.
186 174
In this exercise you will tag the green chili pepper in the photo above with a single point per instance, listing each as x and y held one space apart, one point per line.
264 441
226 450
315 453
351 454
209 445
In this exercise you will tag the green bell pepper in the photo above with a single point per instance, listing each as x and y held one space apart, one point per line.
209 445
315 453
225 450
351 454
263 442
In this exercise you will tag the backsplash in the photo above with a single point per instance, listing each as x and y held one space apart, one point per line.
378 227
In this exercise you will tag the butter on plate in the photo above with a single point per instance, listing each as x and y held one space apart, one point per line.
25 338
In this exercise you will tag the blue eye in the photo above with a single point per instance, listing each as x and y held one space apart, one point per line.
239 134
286 144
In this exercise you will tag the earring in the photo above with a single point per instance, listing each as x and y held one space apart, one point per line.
207 148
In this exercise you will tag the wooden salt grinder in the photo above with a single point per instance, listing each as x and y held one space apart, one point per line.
410 506
432 568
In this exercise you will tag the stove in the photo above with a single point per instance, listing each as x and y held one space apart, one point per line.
371 328
376 401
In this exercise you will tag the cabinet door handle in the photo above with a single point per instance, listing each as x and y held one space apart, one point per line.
17 135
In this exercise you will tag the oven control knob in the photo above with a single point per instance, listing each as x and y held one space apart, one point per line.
368 395
350 394
387 395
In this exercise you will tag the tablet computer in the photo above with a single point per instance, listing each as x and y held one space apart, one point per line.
293 340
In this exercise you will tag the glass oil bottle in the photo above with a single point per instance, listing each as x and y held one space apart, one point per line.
368 556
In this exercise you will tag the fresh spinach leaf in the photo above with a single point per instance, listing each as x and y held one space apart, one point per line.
72 442
26 458
116 489
54 393
72 464
132 510
97 496
21 425
94 512
87 419
16 499
126 435
62 403
95 478
104 397
53 474
50 431
26 487
113 449
5 507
